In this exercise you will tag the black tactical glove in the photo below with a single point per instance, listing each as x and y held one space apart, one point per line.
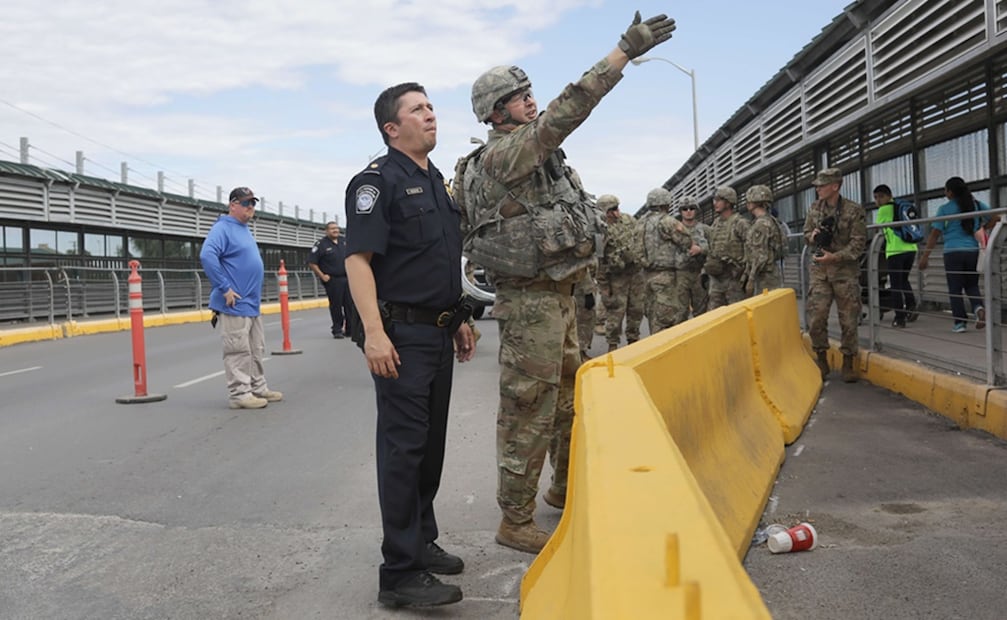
589 301
642 37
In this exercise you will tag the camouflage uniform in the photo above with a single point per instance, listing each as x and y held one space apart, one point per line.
585 316
726 263
663 238
839 281
690 291
516 177
622 291
762 249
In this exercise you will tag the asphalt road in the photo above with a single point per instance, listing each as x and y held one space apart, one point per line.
185 509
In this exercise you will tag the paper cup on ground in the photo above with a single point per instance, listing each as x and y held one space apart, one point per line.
801 537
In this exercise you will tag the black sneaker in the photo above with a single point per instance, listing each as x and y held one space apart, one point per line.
897 322
421 590
440 561
338 335
912 314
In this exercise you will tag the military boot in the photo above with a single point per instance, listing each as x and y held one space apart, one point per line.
849 372
555 499
823 364
526 537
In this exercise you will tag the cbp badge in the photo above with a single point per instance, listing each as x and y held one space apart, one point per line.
367 195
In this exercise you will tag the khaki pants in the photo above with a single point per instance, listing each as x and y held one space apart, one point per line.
244 347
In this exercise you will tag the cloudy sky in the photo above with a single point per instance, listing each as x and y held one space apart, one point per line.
279 96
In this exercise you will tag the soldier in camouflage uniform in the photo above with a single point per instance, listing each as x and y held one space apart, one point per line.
726 261
764 243
620 275
535 232
689 284
838 229
664 240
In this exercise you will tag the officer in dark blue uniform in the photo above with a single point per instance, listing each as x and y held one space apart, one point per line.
404 265
327 260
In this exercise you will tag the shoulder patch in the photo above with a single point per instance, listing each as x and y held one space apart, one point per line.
367 195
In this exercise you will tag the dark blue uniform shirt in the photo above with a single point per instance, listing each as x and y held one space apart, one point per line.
330 257
404 215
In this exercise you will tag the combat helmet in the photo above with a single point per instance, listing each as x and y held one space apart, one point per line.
606 202
726 193
659 197
494 85
759 194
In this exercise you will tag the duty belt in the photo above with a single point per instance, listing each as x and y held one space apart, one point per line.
417 314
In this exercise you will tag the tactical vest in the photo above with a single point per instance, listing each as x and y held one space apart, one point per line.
623 248
724 242
544 223
686 261
659 252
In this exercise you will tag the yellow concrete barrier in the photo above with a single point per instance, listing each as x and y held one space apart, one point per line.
638 539
788 379
677 441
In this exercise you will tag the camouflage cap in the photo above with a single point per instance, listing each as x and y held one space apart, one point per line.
607 202
726 193
759 193
828 176
659 197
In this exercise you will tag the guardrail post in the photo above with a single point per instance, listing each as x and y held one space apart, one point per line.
140 394
993 287
281 277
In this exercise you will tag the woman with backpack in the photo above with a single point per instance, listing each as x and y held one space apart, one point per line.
900 254
961 251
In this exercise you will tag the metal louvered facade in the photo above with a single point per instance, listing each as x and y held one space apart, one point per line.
32 199
906 93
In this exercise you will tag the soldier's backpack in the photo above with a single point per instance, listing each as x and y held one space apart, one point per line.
906 211
780 242
458 189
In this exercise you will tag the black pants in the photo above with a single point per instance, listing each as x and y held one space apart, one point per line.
411 432
902 298
338 292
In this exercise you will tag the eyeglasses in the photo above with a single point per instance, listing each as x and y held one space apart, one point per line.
522 95
688 208
248 202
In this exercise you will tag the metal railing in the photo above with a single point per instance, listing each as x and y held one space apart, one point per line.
929 340
32 294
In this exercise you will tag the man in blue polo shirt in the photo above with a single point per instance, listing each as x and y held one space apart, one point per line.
232 262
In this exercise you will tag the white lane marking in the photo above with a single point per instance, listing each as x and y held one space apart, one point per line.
486 599
507 568
799 449
206 377
17 372
195 381
280 322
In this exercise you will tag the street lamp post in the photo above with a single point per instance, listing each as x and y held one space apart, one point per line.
692 76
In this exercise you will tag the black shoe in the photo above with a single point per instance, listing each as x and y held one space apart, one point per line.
421 590
912 314
338 335
440 561
897 322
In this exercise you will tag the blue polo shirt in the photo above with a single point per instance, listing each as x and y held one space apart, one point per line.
231 260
